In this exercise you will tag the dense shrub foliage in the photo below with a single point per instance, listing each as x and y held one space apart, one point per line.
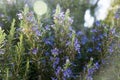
52 48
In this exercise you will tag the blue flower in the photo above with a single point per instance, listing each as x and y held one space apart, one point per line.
94 30
60 18
54 78
34 50
84 40
67 73
97 23
58 70
93 38
89 78
34 28
38 33
110 49
117 16
47 27
79 33
99 43
2 51
78 55
89 50
96 65
30 17
49 40
55 51
56 62
47 53
71 29
98 48
101 36
105 34
68 43
77 45
113 30
91 70
70 20
70 34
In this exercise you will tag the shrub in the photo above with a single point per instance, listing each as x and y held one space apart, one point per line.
41 50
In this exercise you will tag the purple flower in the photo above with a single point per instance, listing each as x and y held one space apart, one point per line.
84 40
117 16
99 43
55 51
77 45
113 31
34 50
98 48
110 50
89 50
96 65
51 58
38 33
47 27
49 40
70 20
97 38
56 62
58 70
68 43
2 51
104 34
92 70
101 36
70 34
35 27
89 78
60 18
79 55
93 30
30 17
67 73
70 28
93 38
54 78
79 33
97 23
47 54
103 61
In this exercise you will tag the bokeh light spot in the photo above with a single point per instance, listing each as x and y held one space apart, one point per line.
40 7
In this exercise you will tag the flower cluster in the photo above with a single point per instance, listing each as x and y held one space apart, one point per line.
117 14
62 18
91 70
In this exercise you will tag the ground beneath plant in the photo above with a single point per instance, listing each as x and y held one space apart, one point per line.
110 70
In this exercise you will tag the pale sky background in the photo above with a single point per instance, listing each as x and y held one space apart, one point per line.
100 13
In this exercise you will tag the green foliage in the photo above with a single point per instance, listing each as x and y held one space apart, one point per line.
2 37
11 33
